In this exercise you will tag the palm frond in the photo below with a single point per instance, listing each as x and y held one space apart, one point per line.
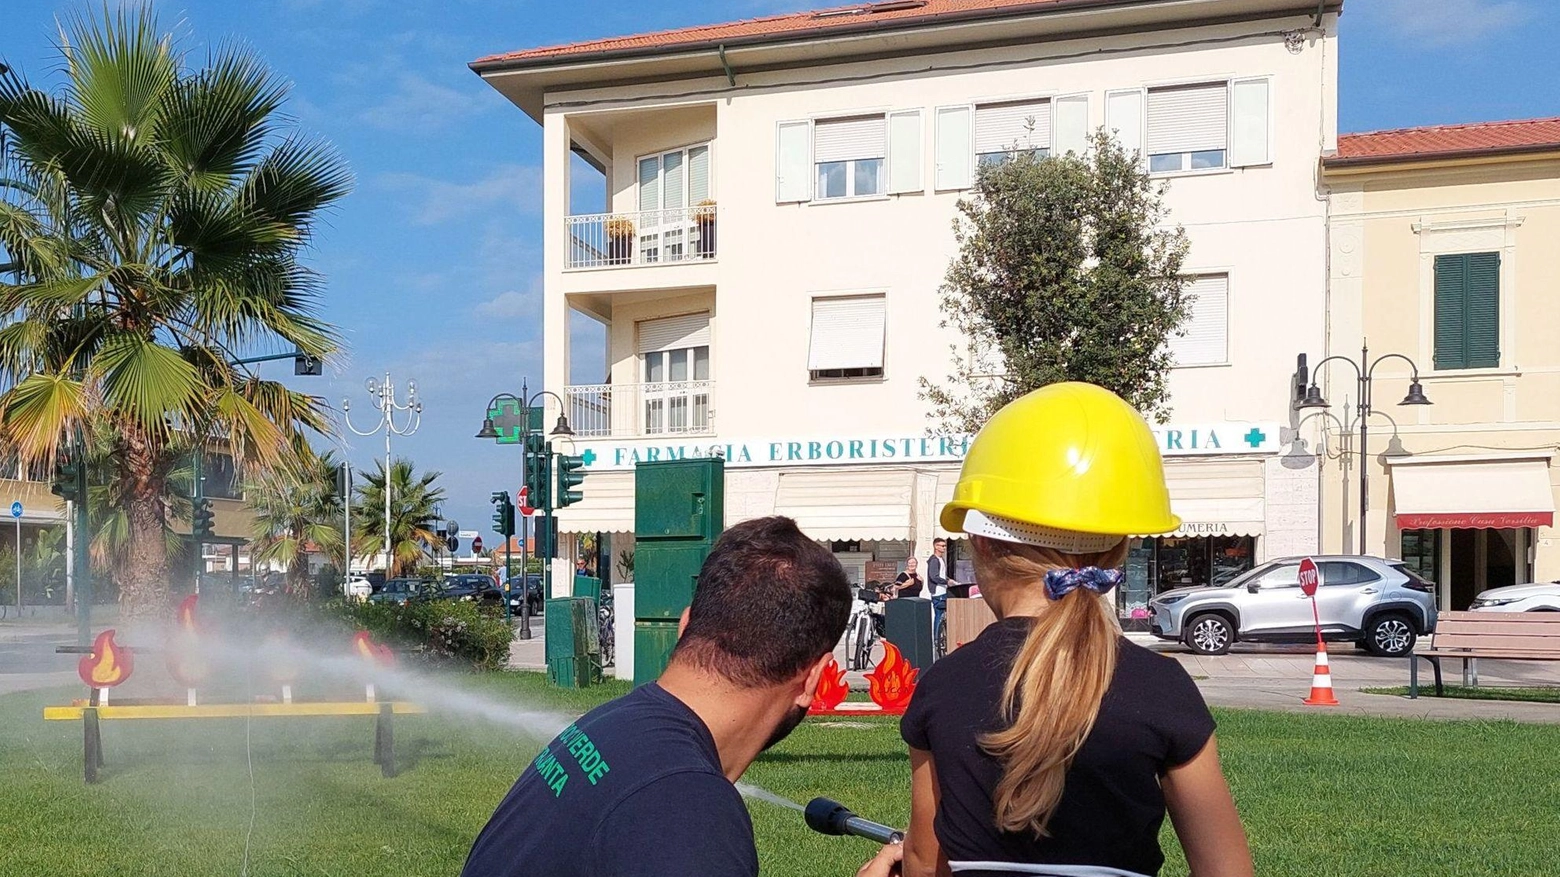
146 382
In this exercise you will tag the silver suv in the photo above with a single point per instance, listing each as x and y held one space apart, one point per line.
1380 604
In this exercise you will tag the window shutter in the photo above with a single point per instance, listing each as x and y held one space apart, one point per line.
673 174
955 161
650 183
698 174
1450 281
904 152
1249 123
846 333
1021 125
1206 340
847 139
1072 125
1124 119
1481 310
674 333
793 162
1188 118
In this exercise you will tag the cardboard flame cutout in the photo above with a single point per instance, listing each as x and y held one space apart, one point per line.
185 615
892 683
372 652
186 664
108 665
831 688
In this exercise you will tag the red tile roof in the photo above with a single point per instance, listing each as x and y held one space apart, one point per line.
861 16
1447 141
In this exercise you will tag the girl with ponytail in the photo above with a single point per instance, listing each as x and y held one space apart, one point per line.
1051 745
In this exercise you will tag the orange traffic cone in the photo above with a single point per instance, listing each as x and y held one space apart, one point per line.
1321 681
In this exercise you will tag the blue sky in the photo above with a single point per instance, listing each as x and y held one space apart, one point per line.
433 262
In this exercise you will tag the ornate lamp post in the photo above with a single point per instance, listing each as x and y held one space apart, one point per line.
383 395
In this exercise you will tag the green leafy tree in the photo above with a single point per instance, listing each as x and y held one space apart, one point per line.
1065 272
154 215
296 513
413 498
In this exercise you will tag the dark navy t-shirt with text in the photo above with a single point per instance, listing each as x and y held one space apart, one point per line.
632 788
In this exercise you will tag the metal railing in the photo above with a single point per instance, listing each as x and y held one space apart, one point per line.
648 237
665 408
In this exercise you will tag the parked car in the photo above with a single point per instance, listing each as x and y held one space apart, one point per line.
1538 597
1380 604
357 588
470 587
404 590
533 593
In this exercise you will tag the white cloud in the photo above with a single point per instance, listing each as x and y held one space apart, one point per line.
1436 23
516 186
511 305
418 104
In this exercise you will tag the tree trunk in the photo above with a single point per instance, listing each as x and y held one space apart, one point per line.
298 569
144 592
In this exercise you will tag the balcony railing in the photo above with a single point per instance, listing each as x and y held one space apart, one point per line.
666 408
649 237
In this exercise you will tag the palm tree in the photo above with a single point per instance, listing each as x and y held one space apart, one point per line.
154 216
110 521
296 513
412 501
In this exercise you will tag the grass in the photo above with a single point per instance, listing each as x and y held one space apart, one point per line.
1524 695
1322 796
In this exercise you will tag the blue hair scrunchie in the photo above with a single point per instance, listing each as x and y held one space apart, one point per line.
1061 582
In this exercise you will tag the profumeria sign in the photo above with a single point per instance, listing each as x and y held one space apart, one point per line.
1174 440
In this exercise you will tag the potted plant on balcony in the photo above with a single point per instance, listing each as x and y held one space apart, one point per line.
704 218
620 240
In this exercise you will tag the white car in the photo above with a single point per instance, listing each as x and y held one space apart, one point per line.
1540 597
358 588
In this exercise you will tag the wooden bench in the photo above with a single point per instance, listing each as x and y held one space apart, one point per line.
1506 636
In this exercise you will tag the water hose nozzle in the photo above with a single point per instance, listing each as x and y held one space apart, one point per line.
831 817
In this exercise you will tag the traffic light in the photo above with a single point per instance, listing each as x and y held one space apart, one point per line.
503 514
538 472
67 474
570 474
202 519
304 364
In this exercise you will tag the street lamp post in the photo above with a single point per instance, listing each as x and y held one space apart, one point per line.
1364 371
385 403
489 430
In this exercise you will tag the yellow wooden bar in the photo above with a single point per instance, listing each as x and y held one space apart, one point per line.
229 710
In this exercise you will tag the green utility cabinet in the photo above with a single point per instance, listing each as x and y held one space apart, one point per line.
572 643
679 511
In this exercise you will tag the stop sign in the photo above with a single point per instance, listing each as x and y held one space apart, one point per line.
476 545
1310 577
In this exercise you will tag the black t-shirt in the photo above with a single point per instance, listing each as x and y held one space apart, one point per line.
1152 719
913 590
632 788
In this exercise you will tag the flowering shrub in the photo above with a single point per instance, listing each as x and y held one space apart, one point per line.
437 631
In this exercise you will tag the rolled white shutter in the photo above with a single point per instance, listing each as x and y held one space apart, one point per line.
848 139
1020 124
846 333
674 333
904 152
1249 114
955 161
698 174
1124 119
1188 118
1071 128
793 162
1206 341
650 183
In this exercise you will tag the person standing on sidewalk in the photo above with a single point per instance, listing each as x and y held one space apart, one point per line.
1051 744
937 581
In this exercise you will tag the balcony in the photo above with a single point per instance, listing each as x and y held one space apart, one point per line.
640 410
649 237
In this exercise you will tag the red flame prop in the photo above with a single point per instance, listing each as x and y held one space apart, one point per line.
892 683
372 652
831 688
185 614
185 662
108 665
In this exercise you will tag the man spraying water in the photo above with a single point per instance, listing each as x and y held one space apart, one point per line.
643 785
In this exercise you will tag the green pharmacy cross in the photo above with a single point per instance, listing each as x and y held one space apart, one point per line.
509 419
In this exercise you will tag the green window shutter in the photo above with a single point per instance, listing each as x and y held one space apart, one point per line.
1450 276
1481 310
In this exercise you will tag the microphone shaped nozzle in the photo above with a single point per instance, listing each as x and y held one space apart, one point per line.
831 817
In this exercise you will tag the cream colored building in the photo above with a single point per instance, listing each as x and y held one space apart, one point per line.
1444 249
780 200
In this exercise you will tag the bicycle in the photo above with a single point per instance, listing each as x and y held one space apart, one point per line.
940 632
606 630
865 627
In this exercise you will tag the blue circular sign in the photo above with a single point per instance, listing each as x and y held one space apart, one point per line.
16 509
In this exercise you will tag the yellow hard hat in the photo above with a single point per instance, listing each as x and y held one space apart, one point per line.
1070 465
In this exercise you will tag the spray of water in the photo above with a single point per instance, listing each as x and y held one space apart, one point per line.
749 790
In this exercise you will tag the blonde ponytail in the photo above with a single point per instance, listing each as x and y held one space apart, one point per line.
1059 678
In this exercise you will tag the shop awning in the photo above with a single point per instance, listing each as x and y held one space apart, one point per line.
1430 493
1217 497
849 503
608 506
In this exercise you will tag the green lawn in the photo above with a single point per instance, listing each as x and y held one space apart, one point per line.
1321 794
1526 695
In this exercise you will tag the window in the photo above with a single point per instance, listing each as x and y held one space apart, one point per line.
1188 127
904 152
1205 340
1343 572
954 130
676 374
1007 130
1285 575
848 155
1422 553
847 338
220 476
1467 311
669 184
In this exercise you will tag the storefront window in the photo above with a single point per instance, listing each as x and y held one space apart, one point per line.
1166 562
1422 553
